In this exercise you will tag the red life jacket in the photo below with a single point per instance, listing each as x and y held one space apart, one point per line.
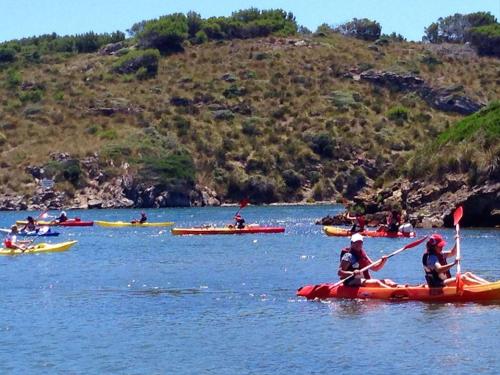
7 243
363 261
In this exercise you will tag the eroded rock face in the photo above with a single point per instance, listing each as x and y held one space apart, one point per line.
448 99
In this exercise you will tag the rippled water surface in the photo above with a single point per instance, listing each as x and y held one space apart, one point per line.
141 301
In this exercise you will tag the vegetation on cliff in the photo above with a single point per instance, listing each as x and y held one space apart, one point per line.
242 104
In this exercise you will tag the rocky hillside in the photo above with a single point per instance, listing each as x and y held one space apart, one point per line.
276 119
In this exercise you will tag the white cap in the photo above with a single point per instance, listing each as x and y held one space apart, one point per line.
356 237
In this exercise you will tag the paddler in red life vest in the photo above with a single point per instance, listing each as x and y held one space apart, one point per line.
437 269
354 258
10 241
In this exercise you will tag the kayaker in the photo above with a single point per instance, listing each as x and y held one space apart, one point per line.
437 269
30 226
239 222
11 242
142 219
358 220
354 258
62 217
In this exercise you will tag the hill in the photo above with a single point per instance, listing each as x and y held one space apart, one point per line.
303 117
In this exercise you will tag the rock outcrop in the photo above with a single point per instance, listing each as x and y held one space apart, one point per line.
448 99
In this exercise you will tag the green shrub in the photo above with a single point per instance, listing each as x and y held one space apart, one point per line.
133 61
398 114
31 96
165 34
14 78
176 170
486 39
361 28
7 55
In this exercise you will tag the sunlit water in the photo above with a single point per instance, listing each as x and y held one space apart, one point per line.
141 301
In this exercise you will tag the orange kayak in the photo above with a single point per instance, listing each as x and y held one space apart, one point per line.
471 293
342 232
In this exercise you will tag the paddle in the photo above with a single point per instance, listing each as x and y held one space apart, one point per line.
409 246
457 215
243 203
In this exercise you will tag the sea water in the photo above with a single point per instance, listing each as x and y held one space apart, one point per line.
141 301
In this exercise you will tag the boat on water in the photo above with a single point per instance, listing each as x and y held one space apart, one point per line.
470 293
343 232
76 222
117 224
40 248
249 229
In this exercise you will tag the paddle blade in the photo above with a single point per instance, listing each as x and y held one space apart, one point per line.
244 202
457 215
415 243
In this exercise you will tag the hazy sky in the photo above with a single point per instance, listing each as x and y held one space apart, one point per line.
22 18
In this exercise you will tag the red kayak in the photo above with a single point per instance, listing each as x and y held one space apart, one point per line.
341 232
471 293
76 222
249 229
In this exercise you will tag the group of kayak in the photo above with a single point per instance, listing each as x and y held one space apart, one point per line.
39 228
356 281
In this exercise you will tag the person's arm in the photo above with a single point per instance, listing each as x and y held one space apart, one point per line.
349 217
440 268
343 269
452 252
379 264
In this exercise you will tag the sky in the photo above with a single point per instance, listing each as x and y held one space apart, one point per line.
24 18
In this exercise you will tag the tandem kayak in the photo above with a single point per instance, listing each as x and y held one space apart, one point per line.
342 232
249 229
129 224
40 248
471 293
68 223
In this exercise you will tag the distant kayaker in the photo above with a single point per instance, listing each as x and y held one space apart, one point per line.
142 219
30 226
239 222
353 259
436 268
393 221
62 217
11 242
358 220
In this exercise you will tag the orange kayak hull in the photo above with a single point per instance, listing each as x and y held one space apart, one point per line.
341 232
471 293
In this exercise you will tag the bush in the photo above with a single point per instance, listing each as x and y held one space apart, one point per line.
260 189
486 39
361 28
165 34
454 29
398 114
14 78
133 61
293 179
176 170
322 144
7 55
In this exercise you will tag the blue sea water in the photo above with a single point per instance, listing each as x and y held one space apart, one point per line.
141 301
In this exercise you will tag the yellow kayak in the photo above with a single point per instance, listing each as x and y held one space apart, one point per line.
40 248
129 224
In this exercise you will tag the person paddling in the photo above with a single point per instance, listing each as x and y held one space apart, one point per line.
437 269
358 220
10 241
62 217
239 222
30 225
142 219
354 258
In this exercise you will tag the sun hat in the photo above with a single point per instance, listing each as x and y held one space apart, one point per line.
356 237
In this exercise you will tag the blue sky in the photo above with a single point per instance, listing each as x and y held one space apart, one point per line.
22 18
